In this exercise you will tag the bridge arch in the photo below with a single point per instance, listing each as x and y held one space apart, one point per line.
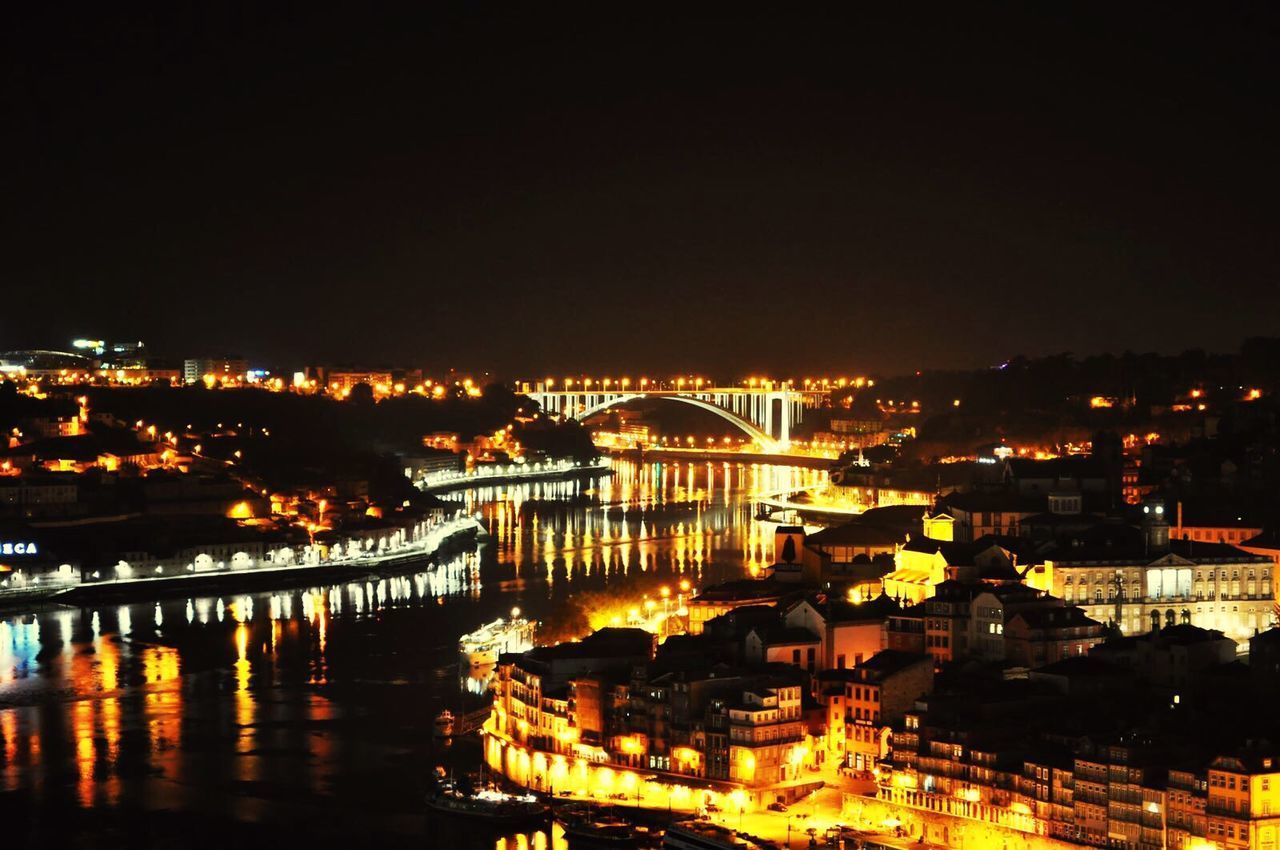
737 421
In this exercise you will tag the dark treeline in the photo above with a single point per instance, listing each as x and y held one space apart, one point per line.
1061 381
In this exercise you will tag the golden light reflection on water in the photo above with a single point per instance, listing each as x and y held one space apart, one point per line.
162 688
672 516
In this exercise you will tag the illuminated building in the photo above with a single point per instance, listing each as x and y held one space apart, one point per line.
340 382
871 697
766 735
531 691
921 564
195 370
848 632
1186 826
1243 808
1139 578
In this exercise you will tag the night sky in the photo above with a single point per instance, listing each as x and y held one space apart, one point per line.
533 192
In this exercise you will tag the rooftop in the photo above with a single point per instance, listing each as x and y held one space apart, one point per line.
780 635
747 588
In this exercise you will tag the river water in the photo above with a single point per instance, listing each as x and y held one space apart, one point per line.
306 715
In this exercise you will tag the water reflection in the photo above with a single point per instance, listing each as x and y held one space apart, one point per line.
253 705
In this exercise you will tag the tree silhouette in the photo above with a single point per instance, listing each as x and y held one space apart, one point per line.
789 550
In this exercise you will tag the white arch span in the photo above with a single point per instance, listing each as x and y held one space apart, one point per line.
741 424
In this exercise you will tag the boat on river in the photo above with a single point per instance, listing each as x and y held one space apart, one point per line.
584 827
485 644
703 835
487 805
444 724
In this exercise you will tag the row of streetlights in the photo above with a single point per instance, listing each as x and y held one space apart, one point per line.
697 383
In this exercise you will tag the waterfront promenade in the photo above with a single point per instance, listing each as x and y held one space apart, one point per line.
840 802
489 475
421 544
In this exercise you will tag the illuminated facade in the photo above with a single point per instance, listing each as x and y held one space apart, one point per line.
847 632
1243 808
1148 581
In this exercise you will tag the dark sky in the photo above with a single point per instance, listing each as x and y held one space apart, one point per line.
530 191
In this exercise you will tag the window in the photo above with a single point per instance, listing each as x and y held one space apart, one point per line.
840 660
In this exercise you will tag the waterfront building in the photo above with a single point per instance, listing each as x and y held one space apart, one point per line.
532 689
766 733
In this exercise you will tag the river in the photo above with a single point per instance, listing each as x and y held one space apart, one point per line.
305 715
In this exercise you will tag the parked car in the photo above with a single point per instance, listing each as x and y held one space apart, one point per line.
777 807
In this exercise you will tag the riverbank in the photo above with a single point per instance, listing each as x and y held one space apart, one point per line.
706 456
495 475
451 536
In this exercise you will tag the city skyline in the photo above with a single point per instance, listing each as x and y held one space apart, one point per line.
460 185
493 426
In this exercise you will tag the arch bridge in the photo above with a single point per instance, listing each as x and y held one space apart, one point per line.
766 415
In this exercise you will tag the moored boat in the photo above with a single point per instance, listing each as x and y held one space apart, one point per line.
488 805
603 830
702 835
484 645
444 724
